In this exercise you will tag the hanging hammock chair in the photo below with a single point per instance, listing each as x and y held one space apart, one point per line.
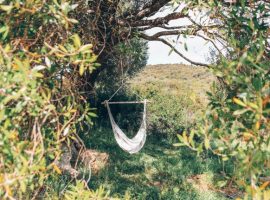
134 144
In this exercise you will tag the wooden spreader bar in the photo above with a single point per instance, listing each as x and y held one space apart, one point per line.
125 102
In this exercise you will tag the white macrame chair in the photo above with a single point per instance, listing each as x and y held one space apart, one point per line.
135 144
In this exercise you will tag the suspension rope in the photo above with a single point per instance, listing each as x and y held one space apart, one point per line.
121 86
117 91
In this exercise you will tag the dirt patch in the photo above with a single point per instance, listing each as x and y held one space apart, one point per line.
202 183
87 160
94 159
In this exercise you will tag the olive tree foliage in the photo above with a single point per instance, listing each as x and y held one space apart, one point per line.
236 125
42 59
106 24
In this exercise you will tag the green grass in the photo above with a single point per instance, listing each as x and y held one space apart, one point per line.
158 171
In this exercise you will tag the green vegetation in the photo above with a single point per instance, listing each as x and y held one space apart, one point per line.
159 171
236 126
178 95
60 57
40 109
128 58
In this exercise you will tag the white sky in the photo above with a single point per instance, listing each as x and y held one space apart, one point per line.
159 53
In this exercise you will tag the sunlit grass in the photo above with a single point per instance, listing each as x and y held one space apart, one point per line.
179 80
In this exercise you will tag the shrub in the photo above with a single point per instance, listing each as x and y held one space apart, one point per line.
40 104
168 113
236 126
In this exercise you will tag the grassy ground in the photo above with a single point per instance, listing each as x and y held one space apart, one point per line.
161 171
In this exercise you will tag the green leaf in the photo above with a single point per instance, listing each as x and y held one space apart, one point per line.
240 112
6 8
221 183
91 114
74 21
81 70
225 158
86 47
170 52
186 47
3 29
206 143
178 145
257 83
180 138
77 40
96 65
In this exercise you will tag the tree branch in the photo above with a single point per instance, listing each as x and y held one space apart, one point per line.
212 42
153 22
151 9
167 27
166 33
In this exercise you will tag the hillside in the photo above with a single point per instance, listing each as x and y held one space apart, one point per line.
176 79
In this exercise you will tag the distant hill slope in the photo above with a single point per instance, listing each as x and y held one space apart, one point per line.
177 79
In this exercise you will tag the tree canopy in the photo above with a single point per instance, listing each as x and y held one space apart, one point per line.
108 23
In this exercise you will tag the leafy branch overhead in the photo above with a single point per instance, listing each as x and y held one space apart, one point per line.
107 23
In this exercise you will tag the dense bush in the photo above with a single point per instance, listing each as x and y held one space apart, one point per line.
40 105
168 113
236 127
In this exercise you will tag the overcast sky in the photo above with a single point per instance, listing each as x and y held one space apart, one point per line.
159 53
198 49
